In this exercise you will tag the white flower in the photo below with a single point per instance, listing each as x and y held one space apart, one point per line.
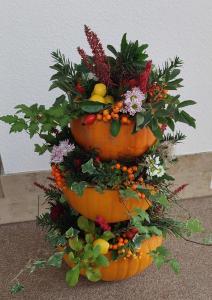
154 167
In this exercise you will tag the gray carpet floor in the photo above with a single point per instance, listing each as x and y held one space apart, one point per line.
21 241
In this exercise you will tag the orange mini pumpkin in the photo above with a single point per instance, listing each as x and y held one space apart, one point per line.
125 144
107 204
124 268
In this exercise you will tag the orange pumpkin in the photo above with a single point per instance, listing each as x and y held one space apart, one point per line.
125 144
108 204
125 268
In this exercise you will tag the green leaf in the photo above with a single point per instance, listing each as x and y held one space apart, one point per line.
33 128
186 103
9 119
56 260
72 276
89 238
75 243
79 187
88 167
18 126
139 120
107 235
41 149
138 239
161 199
174 265
16 288
194 226
91 106
128 193
102 260
93 274
86 225
115 127
184 117
70 233
170 123
71 256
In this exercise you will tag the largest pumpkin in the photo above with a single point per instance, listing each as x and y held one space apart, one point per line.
107 204
126 144
125 268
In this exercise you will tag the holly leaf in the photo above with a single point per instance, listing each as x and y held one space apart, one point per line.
88 167
72 276
115 127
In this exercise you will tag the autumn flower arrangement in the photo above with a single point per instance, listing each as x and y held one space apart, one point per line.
110 192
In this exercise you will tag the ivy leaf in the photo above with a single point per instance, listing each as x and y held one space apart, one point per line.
33 128
16 288
194 226
18 126
41 149
88 167
56 260
161 199
93 274
128 193
86 225
79 187
91 106
72 276
115 127
174 265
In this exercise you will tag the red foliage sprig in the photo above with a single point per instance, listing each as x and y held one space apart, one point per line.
180 188
144 77
41 186
100 66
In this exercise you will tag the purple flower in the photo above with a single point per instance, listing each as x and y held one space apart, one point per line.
133 101
58 152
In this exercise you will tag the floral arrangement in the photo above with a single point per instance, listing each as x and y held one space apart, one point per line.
123 102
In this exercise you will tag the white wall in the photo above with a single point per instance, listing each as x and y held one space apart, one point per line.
31 29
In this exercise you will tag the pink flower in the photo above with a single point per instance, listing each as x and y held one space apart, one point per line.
133 101
58 152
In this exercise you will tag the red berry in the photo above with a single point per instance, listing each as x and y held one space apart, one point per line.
89 119
80 89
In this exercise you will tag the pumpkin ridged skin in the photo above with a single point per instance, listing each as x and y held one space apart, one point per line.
108 204
125 144
124 268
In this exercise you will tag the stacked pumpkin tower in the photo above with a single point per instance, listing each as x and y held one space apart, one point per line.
109 151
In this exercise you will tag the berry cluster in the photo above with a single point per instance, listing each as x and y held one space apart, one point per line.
128 170
59 180
102 223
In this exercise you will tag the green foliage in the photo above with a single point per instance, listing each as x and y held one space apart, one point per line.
86 225
72 275
174 138
193 226
56 259
89 167
115 127
169 74
128 193
66 75
161 256
79 187
129 61
91 106
16 288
